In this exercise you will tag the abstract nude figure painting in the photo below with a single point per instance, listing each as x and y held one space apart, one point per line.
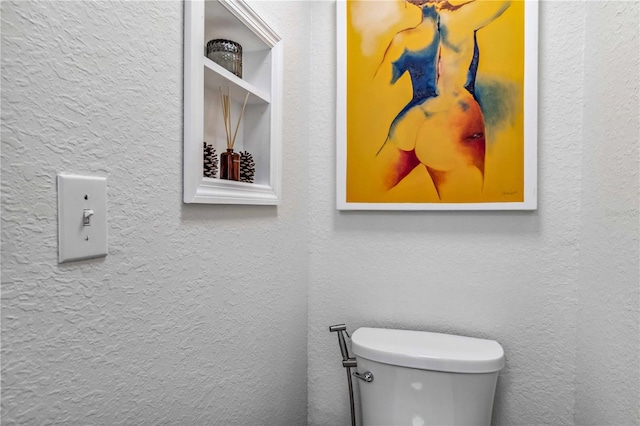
437 104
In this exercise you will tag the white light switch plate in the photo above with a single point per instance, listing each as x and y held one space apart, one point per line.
80 196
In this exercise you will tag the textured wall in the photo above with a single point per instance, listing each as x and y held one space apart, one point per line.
193 318
514 277
608 367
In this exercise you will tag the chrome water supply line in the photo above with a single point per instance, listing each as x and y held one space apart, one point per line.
349 363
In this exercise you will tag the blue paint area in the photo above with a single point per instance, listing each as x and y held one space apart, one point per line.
444 33
422 67
463 105
497 100
430 12
473 67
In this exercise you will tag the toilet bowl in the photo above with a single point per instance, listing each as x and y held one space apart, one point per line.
420 378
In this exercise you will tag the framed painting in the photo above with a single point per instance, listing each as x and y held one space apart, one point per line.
437 104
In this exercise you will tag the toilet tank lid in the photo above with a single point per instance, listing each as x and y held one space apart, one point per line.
428 351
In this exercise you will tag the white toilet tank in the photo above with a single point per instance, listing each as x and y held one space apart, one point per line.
422 378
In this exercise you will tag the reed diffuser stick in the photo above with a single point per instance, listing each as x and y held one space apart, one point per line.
233 141
225 101
228 100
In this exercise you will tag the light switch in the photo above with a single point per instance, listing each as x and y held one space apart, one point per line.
82 217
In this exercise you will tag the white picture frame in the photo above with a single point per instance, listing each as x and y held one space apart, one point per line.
529 197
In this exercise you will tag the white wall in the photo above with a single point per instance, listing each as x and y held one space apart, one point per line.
198 315
608 353
533 281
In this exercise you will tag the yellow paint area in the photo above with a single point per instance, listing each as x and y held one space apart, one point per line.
444 131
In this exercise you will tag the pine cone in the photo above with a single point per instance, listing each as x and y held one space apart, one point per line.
210 168
247 167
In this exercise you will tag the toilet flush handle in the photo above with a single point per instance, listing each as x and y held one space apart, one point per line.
367 376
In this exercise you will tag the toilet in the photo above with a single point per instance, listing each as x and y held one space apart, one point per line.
420 378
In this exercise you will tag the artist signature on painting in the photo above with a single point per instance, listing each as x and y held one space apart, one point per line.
508 193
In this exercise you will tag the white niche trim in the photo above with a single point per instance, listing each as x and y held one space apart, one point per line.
260 131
